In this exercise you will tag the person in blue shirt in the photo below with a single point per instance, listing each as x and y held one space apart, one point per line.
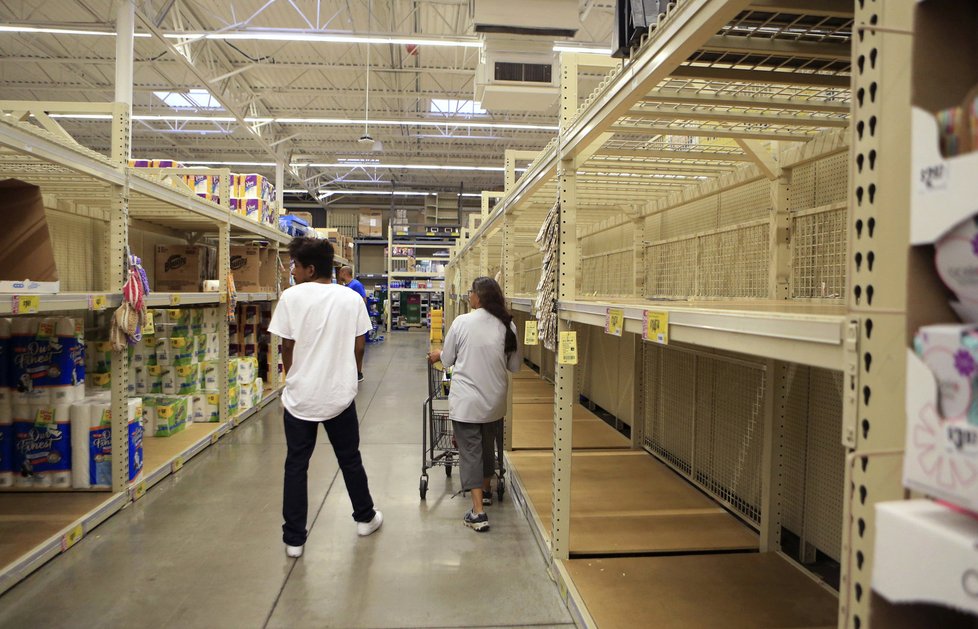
345 276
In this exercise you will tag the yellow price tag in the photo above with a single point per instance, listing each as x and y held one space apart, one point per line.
97 302
139 490
567 348
177 464
72 537
656 328
531 333
614 322
222 298
174 300
149 329
214 437
25 304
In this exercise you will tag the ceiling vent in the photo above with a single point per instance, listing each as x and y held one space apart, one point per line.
548 18
516 74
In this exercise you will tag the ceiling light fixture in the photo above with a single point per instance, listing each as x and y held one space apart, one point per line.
328 38
350 165
581 49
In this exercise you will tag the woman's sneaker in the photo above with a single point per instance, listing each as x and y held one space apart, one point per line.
479 523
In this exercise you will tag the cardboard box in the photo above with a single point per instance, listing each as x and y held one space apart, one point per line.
306 216
371 224
246 267
267 278
179 268
26 254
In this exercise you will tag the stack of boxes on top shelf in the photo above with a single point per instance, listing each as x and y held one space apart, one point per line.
252 195
185 268
342 244
55 433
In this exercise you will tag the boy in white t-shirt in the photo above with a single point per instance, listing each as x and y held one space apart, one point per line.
323 327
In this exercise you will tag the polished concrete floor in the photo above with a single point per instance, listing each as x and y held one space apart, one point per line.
203 548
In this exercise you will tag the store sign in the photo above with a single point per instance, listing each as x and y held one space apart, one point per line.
614 323
656 327
531 333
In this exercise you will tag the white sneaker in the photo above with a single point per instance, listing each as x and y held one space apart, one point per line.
294 551
366 528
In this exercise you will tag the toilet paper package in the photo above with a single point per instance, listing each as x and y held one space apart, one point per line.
6 446
5 362
42 445
951 353
48 359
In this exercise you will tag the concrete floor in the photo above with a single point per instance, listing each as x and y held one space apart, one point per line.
203 548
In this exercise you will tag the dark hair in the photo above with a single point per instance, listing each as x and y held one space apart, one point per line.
491 299
314 252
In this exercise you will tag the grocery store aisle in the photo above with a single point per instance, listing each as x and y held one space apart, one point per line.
203 548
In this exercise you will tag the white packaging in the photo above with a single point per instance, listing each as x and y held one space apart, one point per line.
951 353
957 260
81 422
200 407
164 352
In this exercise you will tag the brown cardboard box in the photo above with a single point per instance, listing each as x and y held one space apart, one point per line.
26 252
306 216
371 224
266 272
179 268
246 267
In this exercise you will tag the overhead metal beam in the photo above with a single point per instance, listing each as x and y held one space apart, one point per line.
778 47
712 132
664 95
798 120
764 77
694 155
762 156
820 8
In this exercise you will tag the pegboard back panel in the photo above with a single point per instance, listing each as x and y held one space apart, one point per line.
692 218
704 415
671 269
526 270
820 182
812 456
78 245
746 203
347 222
818 254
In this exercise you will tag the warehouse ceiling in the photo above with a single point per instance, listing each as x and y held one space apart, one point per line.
307 99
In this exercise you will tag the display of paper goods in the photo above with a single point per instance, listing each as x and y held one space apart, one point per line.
247 369
951 353
172 414
42 445
253 186
295 226
91 441
154 163
246 267
6 446
183 268
212 408
154 379
47 357
233 393
233 371
209 373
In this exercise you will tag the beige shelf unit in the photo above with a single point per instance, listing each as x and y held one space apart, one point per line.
97 207
713 177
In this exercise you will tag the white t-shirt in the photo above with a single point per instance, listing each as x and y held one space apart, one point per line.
474 346
324 321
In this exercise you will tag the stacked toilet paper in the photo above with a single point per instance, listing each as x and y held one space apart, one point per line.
42 375
91 441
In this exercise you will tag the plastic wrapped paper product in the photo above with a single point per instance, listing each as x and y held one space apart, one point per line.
6 446
91 426
171 415
5 362
48 360
42 445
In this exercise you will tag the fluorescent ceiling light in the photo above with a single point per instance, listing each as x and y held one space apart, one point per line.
316 37
350 165
582 49
16 28
401 193
323 121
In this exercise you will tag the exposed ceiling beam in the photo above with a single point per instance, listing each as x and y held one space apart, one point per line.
713 132
664 95
778 47
799 120
764 77
694 155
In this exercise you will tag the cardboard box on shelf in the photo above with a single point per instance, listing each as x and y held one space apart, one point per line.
371 224
246 267
26 254
266 271
179 268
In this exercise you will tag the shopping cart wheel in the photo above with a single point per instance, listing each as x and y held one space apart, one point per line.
501 489
423 487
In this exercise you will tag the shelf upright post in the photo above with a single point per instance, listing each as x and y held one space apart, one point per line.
224 331
275 343
125 25
390 271
779 268
879 219
509 287
566 290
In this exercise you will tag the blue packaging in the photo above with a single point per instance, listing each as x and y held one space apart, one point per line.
6 448
100 459
136 433
42 445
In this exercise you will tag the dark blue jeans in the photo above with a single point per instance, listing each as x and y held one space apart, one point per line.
300 436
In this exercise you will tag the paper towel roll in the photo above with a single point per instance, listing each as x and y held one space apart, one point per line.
61 477
6 446
81 423
100 453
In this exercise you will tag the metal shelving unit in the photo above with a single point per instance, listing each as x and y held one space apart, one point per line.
126 204
427 294
711 179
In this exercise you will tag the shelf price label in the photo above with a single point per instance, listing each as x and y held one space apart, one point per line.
656 327
177 465
214 437
72 537
567 348
97 302
25 304
531 333
139 490
614 322
149 328
174 299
